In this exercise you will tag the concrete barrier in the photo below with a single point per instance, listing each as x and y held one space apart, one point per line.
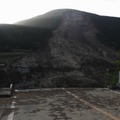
4 92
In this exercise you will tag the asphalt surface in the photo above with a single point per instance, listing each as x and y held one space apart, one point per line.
61 104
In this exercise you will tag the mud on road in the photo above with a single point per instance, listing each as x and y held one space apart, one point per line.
61 104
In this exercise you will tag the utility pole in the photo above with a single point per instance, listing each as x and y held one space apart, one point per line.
119 79
118 84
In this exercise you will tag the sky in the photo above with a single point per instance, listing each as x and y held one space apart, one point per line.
12 11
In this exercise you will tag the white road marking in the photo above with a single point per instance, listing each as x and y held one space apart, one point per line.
13 104
10 116
41 89
16 90
14 97
92 106
115 92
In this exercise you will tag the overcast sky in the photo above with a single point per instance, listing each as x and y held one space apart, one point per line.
12 11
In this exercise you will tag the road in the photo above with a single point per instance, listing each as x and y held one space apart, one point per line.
61 104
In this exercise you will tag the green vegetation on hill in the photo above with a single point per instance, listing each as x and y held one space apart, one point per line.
16 41
112 75
10 57
13 37
109 30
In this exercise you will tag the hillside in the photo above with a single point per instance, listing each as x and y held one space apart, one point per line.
50 20
66 48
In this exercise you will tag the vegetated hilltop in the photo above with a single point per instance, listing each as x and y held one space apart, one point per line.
62 48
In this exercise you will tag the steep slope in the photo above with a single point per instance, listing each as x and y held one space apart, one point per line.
74 49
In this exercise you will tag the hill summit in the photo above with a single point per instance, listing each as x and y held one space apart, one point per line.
62 48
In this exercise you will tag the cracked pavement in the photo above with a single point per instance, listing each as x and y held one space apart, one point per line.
57 104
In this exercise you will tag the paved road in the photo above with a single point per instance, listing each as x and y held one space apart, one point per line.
61 104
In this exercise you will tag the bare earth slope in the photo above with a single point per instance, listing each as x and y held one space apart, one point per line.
77 52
